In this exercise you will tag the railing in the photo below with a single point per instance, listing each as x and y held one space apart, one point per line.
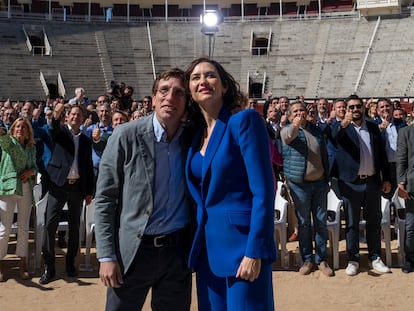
364 63
61 86
44 84
59 15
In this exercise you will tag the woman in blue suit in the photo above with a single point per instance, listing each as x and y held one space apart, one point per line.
229 175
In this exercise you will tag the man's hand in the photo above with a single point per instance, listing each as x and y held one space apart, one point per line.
110 274
347 119
386 187
96 133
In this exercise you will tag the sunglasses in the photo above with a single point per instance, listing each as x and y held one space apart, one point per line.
352 107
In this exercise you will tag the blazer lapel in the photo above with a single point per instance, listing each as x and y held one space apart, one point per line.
214 143
146 146
193 188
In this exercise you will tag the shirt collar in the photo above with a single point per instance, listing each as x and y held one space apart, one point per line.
159 132
72 131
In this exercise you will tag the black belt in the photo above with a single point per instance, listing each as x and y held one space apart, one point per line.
71 181
163 240
362 179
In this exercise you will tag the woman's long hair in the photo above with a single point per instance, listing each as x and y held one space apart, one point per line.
233 99
29 140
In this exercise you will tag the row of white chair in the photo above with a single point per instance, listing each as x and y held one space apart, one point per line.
334 206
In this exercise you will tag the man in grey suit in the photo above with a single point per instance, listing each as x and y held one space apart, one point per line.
142 207
405 179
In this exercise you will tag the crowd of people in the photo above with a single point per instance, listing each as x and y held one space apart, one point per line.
184 180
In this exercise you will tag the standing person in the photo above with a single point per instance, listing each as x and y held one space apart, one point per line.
7 119
229 175
361 151
306 170
405 178
143 212
17 171
389 128
71 181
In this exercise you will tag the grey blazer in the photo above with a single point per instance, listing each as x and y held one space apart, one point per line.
124 195
405 157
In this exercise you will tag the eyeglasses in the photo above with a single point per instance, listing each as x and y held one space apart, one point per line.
352 107
311 112
176 92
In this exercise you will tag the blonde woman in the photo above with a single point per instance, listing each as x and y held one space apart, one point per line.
17 171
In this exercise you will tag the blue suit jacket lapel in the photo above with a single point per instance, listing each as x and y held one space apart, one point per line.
214 143
193 188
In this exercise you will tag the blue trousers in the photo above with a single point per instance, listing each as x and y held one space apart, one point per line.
310 200
230 293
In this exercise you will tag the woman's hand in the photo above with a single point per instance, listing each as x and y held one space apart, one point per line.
249 269
25 176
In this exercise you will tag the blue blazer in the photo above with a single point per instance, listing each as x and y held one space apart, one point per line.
348 153
235 199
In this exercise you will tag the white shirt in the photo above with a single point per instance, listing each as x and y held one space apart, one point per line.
74 170
366 165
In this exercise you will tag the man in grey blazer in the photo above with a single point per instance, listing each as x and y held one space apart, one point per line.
142 208
405 179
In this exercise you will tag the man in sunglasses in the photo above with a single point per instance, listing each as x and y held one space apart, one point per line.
363 174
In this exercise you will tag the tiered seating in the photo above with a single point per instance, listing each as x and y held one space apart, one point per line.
135 10
38 6
158 10
251 9
96 9
337 5
235 10
312 7
119 9
196 10
274 9
290 8
174 10
79 8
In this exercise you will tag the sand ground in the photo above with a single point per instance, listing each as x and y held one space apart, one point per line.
366 291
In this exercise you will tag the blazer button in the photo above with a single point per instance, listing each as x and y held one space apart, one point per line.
139 235
148 212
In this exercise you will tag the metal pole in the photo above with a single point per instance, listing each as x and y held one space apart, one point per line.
209 46
128 12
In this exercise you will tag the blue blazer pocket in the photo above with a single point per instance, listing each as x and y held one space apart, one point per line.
239 218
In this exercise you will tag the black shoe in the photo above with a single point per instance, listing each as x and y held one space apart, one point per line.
407 267
47 275
71 271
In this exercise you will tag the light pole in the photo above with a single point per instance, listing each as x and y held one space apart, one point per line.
210 19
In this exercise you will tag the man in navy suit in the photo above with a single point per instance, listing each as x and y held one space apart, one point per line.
364 174
71 181
389 128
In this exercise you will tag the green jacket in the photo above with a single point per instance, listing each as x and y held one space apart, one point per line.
14 160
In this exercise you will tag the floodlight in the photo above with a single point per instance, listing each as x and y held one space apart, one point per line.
210 19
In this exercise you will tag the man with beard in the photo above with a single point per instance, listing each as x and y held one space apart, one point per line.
361 152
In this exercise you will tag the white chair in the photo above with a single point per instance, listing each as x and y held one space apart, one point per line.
40 218
90 228
399 225
280 221
334 225
37 192
385 229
